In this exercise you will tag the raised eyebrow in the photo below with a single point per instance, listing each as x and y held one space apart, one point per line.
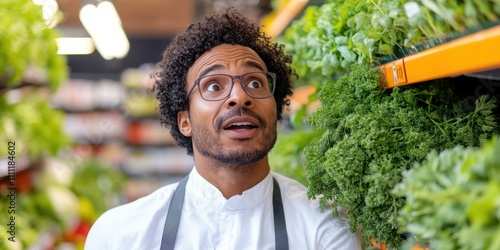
249 64
252 64
210 69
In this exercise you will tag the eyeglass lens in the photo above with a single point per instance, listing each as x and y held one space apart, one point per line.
218 86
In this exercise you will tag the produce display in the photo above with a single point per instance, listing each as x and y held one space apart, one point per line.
331 37
39 210
28 52
27 42
371 135
34 216
34 125
64 198
452 198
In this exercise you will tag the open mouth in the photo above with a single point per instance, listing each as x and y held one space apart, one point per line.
240 125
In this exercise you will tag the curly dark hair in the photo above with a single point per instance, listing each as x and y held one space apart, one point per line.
227 27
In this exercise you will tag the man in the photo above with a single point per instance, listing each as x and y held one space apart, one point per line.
222 87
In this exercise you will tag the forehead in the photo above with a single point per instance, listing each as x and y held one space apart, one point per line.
226 57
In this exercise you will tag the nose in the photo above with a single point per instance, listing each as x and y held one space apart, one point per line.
238 96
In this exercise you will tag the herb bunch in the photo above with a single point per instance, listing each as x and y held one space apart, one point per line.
452 198
371 135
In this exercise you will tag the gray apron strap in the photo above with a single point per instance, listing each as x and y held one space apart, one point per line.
280 236
175 208
173 216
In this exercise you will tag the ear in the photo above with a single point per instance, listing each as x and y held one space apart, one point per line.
184 123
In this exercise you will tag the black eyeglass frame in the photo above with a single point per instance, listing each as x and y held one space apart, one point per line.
239 77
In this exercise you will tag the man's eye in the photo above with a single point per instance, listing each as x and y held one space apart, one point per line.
212 87
254 84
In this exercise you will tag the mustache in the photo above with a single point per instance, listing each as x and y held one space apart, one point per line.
239 112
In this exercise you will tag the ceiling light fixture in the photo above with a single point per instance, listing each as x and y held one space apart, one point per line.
75 45
104 26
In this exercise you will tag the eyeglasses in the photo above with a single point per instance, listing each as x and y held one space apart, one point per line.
217 87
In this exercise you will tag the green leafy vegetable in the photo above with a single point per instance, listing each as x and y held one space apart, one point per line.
34 125
453 198
329 38
27 42
371 135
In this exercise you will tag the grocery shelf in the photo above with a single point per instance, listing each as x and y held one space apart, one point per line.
465 55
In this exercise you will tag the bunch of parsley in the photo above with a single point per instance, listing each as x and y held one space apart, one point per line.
452 198
371 135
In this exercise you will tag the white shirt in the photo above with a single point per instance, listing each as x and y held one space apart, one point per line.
210 221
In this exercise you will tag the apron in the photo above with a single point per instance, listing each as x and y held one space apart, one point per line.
174 215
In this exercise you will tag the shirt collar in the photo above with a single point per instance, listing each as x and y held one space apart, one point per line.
206 196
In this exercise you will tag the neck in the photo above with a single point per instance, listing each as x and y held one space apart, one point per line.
232 180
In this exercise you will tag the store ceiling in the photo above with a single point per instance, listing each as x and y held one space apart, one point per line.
149 25
144 18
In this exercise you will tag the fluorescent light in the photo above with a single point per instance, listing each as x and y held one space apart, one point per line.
104 26
75 45
108 13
